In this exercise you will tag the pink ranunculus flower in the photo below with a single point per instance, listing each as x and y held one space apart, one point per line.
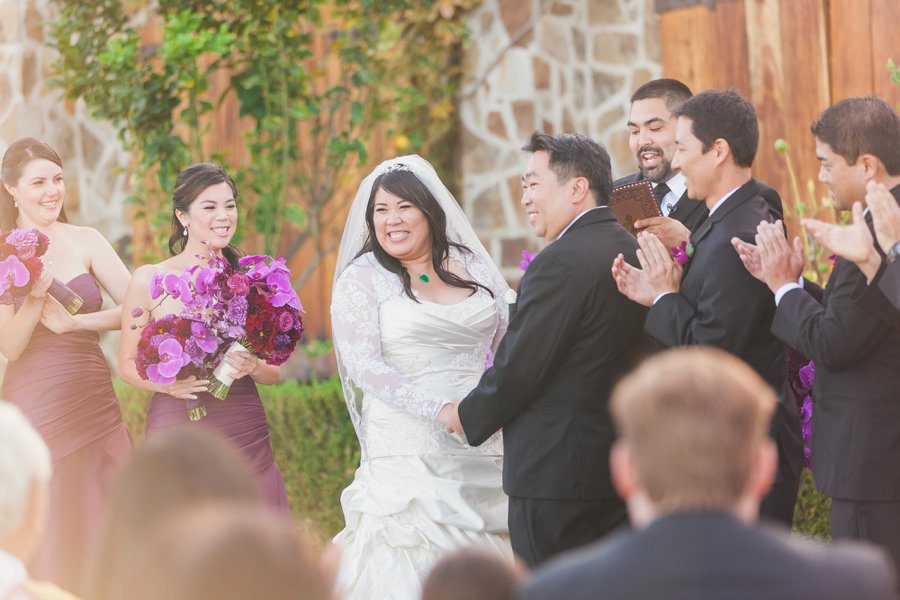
25 241
13 273
285 321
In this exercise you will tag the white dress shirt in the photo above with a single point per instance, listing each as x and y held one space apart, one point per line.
677 187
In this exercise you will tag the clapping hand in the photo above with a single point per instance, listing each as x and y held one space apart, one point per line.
749 255
671 232
885 214
779 263
40 287
186 389
631 283
853 242
56 318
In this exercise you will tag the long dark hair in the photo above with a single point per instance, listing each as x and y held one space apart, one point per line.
190 183
17 156
404 184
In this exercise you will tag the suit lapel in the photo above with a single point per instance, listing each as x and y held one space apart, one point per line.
741 195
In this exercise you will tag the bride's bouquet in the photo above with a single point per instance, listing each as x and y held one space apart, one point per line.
21 266
272 325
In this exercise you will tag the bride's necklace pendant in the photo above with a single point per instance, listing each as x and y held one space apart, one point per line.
424 278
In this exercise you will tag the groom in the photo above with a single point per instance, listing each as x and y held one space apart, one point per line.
570 337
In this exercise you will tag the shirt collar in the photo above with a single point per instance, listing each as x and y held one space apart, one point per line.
677 184
581 214
722 200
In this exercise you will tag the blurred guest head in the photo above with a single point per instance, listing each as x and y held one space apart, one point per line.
225 552
857 141
25 468
471 574
179 469
693 426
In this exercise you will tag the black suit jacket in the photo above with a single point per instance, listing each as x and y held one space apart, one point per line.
712 555
882 295
720 304
570 337
691 213
856 416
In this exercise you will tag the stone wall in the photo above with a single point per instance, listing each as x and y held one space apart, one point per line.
560 67
95 166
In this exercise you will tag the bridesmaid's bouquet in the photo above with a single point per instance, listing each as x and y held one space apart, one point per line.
272 324
173 347
21 266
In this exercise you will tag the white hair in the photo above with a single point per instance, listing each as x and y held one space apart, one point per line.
24 461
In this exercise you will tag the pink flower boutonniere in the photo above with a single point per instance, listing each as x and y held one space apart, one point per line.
682 253
527 257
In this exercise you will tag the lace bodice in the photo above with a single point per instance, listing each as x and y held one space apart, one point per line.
406 359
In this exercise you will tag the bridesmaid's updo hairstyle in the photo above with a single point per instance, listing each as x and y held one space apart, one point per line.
17 156
190 183
403 183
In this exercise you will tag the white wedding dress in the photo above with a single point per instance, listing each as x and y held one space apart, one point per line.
419 491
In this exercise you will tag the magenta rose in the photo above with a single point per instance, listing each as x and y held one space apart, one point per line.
239 284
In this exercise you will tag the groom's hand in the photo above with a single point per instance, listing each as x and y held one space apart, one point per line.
448 416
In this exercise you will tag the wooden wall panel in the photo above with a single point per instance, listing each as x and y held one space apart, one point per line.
690 46
850 24
731 47
885 44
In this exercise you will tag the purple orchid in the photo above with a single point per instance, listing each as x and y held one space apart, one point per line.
682 253
172 358
207 342
12 273
282 292
527 257
178 287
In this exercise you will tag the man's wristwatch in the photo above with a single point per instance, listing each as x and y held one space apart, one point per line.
893 253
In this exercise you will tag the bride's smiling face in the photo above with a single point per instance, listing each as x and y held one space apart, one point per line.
401 227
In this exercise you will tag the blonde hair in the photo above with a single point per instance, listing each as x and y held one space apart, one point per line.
693 419
24 461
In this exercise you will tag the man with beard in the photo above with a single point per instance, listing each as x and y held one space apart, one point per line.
652 141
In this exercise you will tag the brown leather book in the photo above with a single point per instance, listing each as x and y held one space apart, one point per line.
633 202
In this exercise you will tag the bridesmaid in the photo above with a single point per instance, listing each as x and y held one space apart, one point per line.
57 373
204 215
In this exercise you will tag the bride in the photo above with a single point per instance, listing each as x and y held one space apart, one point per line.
417 304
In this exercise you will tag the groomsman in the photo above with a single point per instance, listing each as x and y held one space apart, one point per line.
570 336
652 141
856 416
713 300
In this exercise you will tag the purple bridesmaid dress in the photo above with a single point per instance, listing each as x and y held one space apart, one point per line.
63 385
240 417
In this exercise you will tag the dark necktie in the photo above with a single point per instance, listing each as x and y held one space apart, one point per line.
660 192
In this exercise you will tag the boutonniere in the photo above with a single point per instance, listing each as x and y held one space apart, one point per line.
510 296
682 253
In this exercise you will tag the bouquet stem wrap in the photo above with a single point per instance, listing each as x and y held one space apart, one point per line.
64 294
223 376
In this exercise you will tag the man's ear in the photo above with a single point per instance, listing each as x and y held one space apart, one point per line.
580 188
722 149
871 165
763 469
624 474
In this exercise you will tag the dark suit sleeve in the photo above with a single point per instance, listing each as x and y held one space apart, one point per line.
882 295
838 334
729 308
548 313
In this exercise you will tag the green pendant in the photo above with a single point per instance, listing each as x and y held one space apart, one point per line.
423 278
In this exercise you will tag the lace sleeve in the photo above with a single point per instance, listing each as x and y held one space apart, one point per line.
357 341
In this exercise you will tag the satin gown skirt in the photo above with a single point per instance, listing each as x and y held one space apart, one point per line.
421 492
240 417
63 385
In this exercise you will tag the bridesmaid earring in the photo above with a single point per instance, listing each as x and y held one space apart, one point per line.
184 231
15 203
